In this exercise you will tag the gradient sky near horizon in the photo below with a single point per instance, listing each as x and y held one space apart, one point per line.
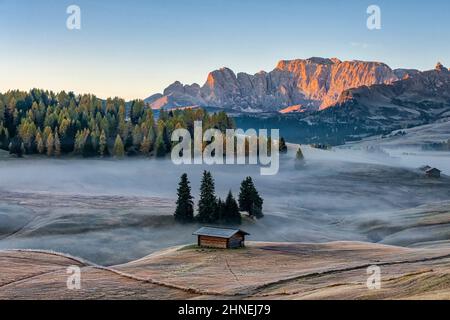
136 48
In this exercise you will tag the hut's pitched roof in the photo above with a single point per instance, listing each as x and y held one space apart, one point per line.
225 233
433 170
425 168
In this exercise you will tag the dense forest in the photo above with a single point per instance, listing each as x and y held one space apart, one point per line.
55 124
296 130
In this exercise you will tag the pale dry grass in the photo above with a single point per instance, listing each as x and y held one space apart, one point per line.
261 271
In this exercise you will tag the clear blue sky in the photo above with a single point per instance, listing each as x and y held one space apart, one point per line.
137 47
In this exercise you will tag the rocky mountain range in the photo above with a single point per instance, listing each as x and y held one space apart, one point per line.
416 98
312 84
419 98
321 100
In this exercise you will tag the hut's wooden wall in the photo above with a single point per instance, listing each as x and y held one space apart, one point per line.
212 242
236 241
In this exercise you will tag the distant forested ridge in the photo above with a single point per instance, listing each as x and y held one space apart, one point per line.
295 128
54 124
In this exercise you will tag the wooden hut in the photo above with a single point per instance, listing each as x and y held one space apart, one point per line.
222 238
433 173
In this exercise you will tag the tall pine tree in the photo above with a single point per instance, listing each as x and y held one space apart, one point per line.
50 144
249 199
57 145
89 149
16 147
40 145
118 150
220 211
299 159
207 205
103 144
185 206
160 147
231 214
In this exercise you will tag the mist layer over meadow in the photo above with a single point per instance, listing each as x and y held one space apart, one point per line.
113 211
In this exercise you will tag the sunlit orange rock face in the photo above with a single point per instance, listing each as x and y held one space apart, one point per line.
314 83
323 80
296 108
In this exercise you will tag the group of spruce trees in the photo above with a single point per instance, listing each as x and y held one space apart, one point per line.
55 124
214 210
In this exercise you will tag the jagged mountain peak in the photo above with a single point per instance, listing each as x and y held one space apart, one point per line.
285 64
336 60
440 67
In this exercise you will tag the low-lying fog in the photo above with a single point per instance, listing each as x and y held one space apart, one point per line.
111 211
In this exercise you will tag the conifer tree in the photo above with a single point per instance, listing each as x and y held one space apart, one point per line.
160 147
151 137
103 144
208 202
119 150
299 159
299 155
185 206
57 145
137 136
40 145
231 214
220 212
95 137
50 145
128 143
145 146
166 139
249 199
27 131
89 148
16 147
4 137
46 134
80 138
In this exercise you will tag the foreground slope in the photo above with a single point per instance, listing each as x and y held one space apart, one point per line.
262 271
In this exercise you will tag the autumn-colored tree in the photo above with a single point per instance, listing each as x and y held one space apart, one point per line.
119 150
137 136
145 146
103 144
50 145
84 124
40 145
57 143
